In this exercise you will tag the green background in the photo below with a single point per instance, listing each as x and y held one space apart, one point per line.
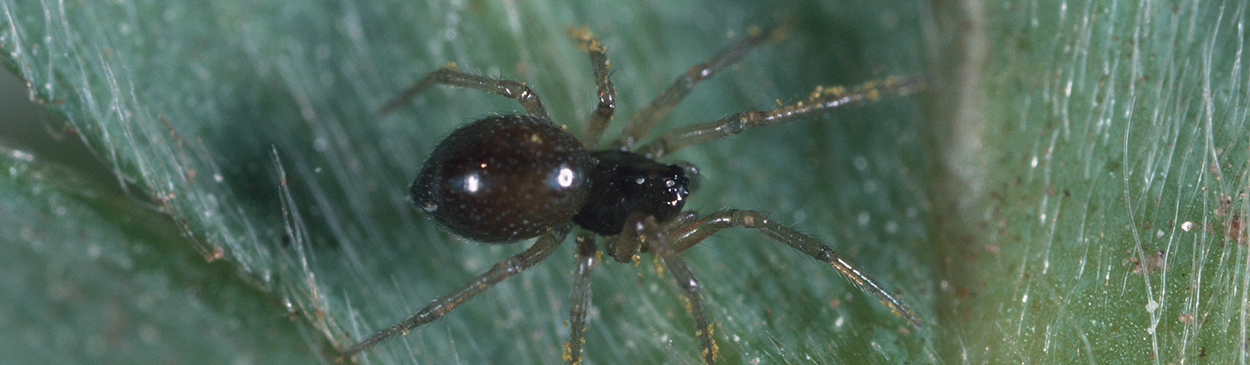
207 181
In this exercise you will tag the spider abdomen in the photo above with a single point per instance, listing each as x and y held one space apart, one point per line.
504 178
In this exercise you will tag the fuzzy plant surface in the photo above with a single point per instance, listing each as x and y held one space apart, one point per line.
212 181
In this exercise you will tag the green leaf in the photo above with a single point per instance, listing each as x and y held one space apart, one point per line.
1114 186
254 127
92 277
1061 148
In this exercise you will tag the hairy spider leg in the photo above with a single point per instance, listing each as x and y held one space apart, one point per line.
645 119
821 100
448 75
607 92
695 232
500 271
649 233
586 258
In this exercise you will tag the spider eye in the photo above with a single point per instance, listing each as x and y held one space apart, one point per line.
692 174
504 178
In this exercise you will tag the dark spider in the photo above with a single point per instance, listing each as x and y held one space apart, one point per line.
507 178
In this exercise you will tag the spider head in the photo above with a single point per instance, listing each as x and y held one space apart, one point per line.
625 183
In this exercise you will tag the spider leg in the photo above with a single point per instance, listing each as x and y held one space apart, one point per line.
645 119
656 240
607 93
690 235
822 100
502 270
587 258
448 75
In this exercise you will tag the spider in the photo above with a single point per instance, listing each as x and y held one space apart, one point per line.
507 178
